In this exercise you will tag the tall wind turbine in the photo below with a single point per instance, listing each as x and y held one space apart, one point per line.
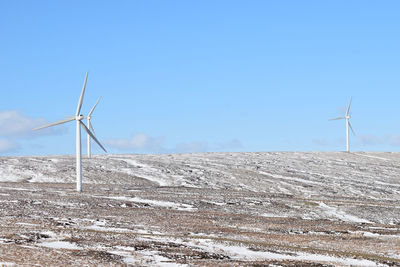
88 118
348 125
78 118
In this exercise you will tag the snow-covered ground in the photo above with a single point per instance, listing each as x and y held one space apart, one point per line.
319 176
271 207
367 175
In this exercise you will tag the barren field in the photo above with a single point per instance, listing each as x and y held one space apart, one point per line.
208 209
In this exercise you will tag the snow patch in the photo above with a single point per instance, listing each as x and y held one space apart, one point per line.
334 212
243 253
60 245
164 204
271 215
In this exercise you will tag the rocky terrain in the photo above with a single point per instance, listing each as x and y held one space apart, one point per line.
208 209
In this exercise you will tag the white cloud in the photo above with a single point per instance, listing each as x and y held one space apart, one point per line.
13 123
8 145
141 142
15 126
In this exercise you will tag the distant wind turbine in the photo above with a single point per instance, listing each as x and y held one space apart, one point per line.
348 125
88 118
78 118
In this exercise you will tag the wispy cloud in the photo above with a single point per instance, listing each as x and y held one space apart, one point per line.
191 147
8 145
232 144
367 140
394 140
138 142
15 126
372 139
145 143
388 139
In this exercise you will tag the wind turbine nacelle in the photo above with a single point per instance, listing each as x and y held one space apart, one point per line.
79 118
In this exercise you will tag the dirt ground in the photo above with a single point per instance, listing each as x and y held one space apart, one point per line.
139 222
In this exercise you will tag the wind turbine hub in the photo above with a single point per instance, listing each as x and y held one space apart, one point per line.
79 118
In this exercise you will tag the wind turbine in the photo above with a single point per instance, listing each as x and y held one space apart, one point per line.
348 125
78 118
88 118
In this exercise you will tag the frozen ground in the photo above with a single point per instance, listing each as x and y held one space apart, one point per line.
281 209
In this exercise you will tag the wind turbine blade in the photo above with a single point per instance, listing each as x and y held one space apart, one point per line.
348 108
351 128
90 113
78 109
54 123
92 135
339 118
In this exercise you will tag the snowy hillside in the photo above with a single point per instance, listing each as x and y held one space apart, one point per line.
364 175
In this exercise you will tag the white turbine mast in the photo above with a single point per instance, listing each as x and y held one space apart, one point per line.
78 118
348 125
88 118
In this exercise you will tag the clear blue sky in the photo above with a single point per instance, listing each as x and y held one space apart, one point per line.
186 76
